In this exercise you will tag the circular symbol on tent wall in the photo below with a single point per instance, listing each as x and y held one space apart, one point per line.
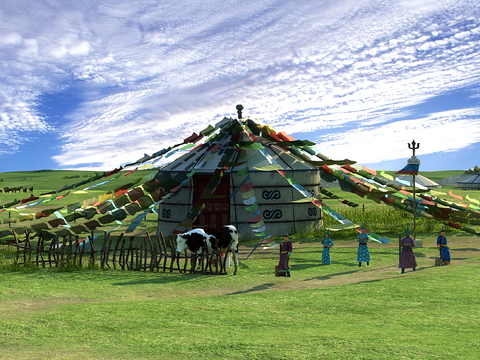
275 214
166 213
271 195
312 211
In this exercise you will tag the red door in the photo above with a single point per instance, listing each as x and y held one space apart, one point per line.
217 211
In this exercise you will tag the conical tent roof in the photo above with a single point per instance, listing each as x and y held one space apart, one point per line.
288 159
419 180
474 179
471 183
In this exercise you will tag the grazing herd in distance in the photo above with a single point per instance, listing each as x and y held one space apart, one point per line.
19 189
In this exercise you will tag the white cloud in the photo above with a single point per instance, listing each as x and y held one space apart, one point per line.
10 39
443 132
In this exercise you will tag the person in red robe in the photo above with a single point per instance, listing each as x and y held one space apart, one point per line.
285 252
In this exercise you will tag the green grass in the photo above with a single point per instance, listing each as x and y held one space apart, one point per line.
338 311
46 181
440 175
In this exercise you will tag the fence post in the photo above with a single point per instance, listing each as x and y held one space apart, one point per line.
115 251
92 255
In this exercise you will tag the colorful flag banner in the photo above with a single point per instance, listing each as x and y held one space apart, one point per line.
385 175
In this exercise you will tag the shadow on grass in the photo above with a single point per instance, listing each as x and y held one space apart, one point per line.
253 289
326 277
168 279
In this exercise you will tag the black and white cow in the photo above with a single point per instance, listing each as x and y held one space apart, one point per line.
225 235
194 240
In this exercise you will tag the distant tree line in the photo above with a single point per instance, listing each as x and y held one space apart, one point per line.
42 170
475 170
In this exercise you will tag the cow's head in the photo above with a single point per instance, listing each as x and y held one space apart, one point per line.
233 234
181 243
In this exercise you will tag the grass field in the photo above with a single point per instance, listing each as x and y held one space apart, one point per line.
337 311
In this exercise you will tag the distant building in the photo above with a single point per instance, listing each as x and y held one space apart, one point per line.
470 183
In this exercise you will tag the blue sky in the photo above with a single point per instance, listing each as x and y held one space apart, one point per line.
96 84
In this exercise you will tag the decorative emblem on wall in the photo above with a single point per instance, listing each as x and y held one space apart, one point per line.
274 214
312 211
166 213
312 192
271 195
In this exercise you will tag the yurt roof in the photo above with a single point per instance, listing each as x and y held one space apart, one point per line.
419 180
474 179
195 159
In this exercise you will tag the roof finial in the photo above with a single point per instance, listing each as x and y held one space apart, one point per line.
239 111
413 147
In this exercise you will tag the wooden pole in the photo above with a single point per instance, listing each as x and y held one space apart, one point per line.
75 251
16 244
25 249
414 211
82 250
131 250
146 253
92 248
115 251
64 244
122 255
136 258
165 249
102 250
70 250
42 244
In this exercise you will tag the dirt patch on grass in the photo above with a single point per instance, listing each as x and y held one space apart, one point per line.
463 250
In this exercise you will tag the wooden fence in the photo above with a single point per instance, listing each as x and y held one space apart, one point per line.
122 254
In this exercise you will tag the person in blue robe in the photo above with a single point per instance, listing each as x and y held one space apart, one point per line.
443 247
363 254
327 244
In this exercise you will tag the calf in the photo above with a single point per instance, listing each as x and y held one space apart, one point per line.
225 235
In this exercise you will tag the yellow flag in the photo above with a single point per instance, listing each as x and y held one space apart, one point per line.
472 200
385 175
104 197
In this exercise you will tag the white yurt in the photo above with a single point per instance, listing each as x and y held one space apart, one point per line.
264 172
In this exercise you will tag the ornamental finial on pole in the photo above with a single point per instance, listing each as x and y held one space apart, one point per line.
413 147
239 111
